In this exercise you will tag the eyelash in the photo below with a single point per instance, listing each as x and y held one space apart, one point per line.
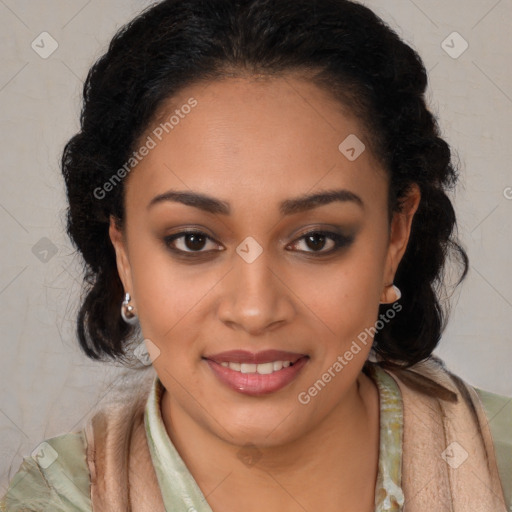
340 241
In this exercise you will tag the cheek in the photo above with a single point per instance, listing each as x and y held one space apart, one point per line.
165 292
343 298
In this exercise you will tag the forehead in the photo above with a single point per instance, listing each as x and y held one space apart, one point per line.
258 139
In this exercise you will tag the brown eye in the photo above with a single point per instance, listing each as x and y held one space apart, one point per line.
317 240
188 241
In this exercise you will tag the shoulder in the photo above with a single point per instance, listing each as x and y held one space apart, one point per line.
498 409
55 477
433 378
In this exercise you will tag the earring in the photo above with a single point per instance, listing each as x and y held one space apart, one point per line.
398 294
127 313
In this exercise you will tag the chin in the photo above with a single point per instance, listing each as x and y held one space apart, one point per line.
271 429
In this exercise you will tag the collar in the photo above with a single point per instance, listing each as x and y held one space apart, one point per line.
179 489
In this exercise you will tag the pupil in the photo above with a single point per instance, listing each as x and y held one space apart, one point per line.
195 241
316 245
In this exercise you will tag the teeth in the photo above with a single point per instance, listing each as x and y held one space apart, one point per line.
262 368
277 365
248 368
265 368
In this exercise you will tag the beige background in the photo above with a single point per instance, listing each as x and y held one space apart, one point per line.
48 386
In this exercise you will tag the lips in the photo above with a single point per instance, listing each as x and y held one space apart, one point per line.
256 373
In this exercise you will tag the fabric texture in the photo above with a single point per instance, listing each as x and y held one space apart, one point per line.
432 456
498 409
122 473
59 486
448 458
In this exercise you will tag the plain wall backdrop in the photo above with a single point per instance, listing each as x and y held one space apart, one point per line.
47 385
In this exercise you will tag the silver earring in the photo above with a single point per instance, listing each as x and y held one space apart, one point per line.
127 313
398 295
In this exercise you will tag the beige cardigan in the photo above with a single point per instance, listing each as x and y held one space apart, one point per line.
123 477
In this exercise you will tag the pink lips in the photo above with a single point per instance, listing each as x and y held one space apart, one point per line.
256 384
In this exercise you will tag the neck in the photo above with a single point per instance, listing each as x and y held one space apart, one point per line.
339 455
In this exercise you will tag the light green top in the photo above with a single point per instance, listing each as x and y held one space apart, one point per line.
57 478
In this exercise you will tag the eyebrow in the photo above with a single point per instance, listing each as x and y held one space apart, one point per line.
288 207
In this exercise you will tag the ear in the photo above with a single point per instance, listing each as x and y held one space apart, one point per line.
400 232
123 263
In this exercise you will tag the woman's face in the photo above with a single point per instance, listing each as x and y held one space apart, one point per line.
241 162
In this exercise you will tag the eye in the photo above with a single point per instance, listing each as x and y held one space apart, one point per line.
318 240
188 241
194 242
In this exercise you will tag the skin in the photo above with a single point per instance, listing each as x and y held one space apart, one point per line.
254 143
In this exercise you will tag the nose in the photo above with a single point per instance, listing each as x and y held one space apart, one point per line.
256 297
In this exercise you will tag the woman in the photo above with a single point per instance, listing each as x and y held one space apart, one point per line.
258 190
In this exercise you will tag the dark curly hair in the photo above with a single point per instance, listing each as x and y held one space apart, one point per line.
342 47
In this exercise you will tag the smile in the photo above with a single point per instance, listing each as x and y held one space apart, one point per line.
258 373
262 368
